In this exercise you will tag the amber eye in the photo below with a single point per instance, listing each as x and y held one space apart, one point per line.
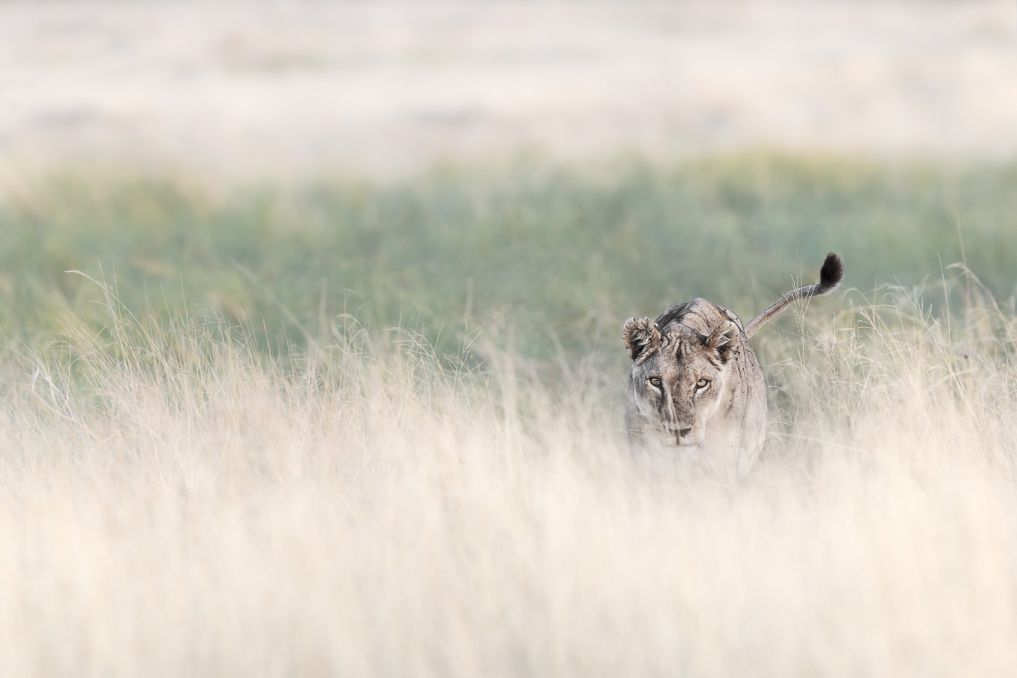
702 383
655 381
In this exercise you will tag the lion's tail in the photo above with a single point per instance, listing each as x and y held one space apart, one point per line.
829 277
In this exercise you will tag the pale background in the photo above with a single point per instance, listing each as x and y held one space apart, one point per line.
390 87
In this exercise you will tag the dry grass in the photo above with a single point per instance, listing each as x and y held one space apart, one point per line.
174 503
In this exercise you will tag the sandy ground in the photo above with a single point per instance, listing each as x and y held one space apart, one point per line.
385 88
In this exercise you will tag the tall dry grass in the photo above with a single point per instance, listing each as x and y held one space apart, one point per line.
174 503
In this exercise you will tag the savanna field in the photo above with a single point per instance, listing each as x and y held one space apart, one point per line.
374 428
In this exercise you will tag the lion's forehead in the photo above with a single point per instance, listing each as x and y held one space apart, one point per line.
684 339
679 352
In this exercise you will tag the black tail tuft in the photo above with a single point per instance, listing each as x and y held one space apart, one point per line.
831 273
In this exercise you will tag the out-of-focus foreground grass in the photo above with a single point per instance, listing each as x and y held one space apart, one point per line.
560 255
175 501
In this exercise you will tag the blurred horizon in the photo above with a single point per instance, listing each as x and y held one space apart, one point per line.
297 89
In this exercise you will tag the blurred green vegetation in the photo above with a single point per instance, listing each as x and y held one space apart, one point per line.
549 255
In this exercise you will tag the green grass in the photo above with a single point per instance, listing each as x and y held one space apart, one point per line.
539 255
176 503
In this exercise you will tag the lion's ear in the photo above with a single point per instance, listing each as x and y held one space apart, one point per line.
641 337
722 340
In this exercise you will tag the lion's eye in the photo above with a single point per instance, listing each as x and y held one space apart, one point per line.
702 383
655 381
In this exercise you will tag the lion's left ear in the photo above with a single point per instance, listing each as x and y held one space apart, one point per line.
722 340
641 338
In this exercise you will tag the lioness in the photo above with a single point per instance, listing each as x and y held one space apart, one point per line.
696 383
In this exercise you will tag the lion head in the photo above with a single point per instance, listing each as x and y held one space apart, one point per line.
678 377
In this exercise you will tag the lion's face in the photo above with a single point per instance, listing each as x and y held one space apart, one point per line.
677 378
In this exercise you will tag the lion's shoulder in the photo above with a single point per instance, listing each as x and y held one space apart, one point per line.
701 315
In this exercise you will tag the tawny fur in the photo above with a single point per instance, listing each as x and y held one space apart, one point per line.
696 384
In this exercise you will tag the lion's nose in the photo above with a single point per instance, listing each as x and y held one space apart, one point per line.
682 432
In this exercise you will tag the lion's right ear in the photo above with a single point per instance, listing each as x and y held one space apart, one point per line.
641 337
722 340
